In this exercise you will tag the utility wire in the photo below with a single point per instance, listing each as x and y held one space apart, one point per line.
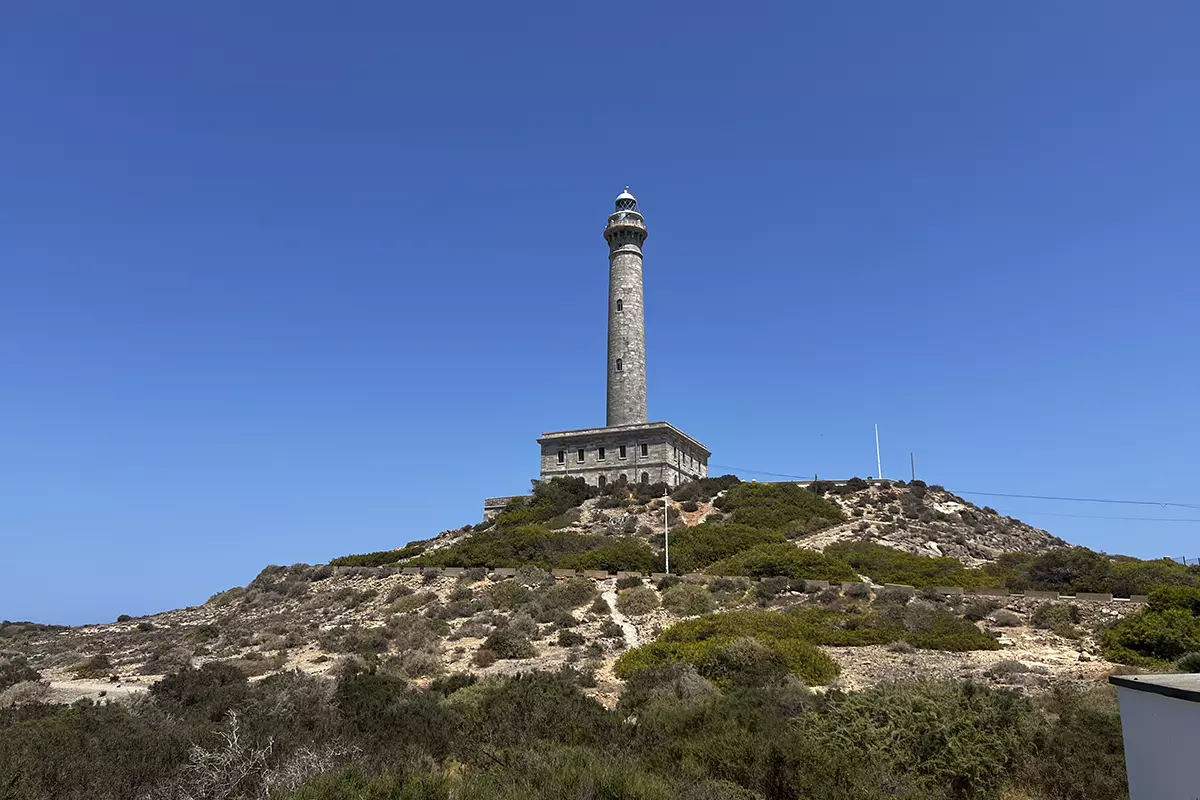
1100 516
1160 504
1082 499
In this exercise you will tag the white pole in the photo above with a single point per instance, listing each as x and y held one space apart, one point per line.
878 463
666 533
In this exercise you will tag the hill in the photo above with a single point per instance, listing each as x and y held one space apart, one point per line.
454 658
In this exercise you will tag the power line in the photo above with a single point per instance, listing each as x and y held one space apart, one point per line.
1081 499
1113 501
1101 516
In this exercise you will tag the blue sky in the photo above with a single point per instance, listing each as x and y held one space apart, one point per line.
283 281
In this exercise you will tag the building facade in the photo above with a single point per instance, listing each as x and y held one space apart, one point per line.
629 446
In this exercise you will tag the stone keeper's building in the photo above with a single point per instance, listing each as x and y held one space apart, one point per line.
628 445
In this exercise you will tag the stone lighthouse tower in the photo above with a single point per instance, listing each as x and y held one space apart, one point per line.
625 233
629 448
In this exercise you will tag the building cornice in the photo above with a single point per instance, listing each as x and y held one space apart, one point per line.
616 430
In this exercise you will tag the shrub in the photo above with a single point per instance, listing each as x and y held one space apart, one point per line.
704 488
514 547
550 499
600 606
979 608
510 642
623 554
380 558
772 506
16 670
124 618
888 565
1171 597
768 560
571 593
637 601
893 595
698 546
768 588
1006 619
1152 636
700 642
98 666
628 582
570 638
1188 662
687 599
1060 618
690 506
484 658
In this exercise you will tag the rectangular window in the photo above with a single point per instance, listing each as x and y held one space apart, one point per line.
645 450
621 452
580 458
562 456
600 454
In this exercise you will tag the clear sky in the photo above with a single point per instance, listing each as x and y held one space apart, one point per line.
281 281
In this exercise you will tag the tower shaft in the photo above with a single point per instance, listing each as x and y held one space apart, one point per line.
625 234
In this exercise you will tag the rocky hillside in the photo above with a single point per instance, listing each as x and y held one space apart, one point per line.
764 547
918 519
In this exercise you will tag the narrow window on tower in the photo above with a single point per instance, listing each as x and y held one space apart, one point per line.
645 449
621 451
600 454
620 306
580 456
618 365
562 456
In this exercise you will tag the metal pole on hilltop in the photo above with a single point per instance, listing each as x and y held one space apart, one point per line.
878 463
913 464
666 533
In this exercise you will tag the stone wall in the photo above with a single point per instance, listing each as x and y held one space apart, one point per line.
666 451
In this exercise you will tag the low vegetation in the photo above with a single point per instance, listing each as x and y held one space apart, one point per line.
1168 629
208 733
783 560
779 507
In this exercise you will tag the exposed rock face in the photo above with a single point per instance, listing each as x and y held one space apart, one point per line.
930 522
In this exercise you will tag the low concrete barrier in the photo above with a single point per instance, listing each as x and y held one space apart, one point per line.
598 574
696 577
504 572
990 592
453 572
410 571
657 576
951 591
627 574
563 573
816 584
1139 598
1094 597
848 586
1041 594
431 571
904 587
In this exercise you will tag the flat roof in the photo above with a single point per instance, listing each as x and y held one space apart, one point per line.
1181 686
641 427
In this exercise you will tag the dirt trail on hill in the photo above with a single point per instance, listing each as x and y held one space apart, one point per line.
631 634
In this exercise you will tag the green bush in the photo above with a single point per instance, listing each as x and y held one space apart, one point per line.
571 593
704 488
697 547
512 547
637 601
687 599
774 506
1058 617
16 670
380 558
1188 662
1171 597
786 560
622 554
98 666
550 499
1152 636
701 642
889 565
